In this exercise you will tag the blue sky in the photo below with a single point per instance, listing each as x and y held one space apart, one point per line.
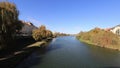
70 16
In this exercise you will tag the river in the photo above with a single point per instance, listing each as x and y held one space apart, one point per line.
68 52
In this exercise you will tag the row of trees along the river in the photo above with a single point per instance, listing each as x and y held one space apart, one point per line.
56 34
10 25
100 37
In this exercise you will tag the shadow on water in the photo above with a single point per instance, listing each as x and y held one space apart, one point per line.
32 60
36 57
50 47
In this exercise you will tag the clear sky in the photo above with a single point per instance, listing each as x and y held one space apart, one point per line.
70 16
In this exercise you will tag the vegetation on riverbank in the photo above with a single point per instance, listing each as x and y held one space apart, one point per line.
100 37
13 46
10 26
42 33
57 34
9 23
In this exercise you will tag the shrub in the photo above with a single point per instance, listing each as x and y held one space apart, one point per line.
41 33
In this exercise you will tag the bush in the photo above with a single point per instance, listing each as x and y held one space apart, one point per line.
41 33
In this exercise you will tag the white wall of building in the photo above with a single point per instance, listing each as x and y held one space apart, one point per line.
115 29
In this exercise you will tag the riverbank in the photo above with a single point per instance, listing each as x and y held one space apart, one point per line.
10 61
101 38
95 44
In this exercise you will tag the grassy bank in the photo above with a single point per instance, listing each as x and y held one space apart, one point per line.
101 38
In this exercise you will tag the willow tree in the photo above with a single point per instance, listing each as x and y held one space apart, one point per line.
8 22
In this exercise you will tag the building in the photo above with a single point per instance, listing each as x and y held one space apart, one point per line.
116 30
27 29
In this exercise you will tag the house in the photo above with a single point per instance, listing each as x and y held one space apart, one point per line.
27 29
116 30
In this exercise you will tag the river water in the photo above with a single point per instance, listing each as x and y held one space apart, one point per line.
68 52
